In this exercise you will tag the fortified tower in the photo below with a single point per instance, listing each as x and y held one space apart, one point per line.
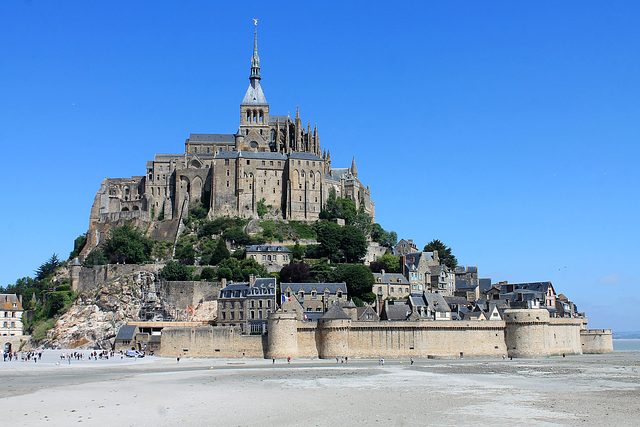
333 328
282 340
526 333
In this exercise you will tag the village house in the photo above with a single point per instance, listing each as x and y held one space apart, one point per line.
247 305
443 280
272 257
388 285
11 315
315 297
404 247
416 268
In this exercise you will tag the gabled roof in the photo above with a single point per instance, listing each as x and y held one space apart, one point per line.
298 155
334 313
254 94
8 300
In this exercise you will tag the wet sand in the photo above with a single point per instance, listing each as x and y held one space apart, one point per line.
593 389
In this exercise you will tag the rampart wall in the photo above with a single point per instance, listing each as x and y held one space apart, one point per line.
209 341
596 341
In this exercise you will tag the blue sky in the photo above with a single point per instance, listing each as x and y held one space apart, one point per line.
508 130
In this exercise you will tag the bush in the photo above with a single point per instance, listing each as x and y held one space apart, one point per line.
95 257
127 245
175 271
208 274
78 245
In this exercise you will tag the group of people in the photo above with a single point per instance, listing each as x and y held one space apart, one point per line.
34 355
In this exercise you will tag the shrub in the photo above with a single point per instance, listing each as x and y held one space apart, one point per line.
175 271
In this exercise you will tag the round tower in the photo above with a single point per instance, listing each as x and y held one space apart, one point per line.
526 332
282 338
334 328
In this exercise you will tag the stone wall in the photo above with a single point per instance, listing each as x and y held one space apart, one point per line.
596 341
209 341
181 294
524 333
85 279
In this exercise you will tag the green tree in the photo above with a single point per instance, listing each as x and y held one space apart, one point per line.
353 243
186 254
127 245
78 245
390 263
320 271
383 237
444 253
220 253
175 271
297 253
262 208
95 257
358 278
329 237
208 274
48 268
225 273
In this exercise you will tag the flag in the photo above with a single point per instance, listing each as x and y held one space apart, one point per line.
189 309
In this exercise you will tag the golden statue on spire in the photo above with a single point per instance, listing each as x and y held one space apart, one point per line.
255 21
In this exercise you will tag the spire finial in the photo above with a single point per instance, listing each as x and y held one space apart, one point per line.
255 59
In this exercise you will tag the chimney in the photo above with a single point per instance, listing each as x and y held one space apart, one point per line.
382 271
223 281
410 241
252 280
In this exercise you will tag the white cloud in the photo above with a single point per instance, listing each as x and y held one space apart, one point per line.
610 278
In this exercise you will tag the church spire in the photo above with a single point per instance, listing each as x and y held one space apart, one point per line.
354 169
255 59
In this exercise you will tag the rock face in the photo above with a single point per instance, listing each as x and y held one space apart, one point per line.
96 316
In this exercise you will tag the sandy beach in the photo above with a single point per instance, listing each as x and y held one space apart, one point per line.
593 389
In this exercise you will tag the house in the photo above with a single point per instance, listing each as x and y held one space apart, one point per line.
126 338
315 297
388 285
429 306
395 310
530 295
247 305
416 268
404 247
457 305
564 307
442 279
272 257
466 276
469 291
11 315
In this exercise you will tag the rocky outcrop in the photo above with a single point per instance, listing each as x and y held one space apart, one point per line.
95 317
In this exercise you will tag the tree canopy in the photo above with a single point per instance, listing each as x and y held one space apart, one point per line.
358 278
127 245
444 253
295 272
338 243
175 271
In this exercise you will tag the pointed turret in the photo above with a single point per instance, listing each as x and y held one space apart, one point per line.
354 169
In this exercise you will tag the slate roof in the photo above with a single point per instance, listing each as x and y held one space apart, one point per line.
437 302
250 155
267 248
319 287
212 137
254 94
279 118
485 284
298 155
126 332
397 311
533 286
334 313
391 278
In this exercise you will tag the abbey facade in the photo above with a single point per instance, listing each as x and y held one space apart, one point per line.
272 160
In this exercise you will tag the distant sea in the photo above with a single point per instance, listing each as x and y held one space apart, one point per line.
626 344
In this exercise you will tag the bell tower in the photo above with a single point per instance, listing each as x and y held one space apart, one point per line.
254 110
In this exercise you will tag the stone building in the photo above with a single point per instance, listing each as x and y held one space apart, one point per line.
271 256
388 285
416 267
11 315
404 247
316 297
247 305
271 162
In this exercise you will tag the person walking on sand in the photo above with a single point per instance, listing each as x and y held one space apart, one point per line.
412 361
178 359
289 360
273 361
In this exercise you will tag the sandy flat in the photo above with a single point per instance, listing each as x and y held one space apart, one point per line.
593 389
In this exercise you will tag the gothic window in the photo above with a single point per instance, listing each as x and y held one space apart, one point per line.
227 183
195 149
226 162
274 191
307 162
227 172
271 163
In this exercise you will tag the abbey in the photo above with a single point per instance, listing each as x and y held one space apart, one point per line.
272 161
